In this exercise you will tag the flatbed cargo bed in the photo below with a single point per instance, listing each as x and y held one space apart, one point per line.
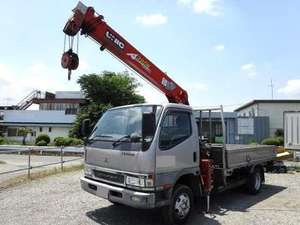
237 155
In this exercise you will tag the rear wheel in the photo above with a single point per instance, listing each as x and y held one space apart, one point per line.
255 181
180 207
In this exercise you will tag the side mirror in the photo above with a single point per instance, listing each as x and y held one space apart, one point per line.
85 127
148 129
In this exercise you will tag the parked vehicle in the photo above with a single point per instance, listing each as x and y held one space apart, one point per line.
151 155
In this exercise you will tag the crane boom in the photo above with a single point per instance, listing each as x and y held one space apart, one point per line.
91 24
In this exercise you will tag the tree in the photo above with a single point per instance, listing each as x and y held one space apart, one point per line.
279 133
104 91
23 131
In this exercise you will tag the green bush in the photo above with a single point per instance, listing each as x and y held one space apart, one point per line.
279 133
59 141
73 141
42 137
252 142
67 141
2 141
76 141
280 140
41 143
270 141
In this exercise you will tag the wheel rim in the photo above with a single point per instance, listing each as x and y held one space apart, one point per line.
182 205
257 181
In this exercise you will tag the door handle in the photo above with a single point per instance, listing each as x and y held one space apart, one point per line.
194 156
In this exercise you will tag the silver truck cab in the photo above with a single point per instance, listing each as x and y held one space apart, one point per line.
128 164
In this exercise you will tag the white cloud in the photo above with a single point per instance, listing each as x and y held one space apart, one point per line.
152 19
15 84
291 88
209 7
219 47
249 69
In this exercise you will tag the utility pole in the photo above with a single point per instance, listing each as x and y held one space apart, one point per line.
272 88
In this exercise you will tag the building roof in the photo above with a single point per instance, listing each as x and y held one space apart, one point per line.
36 117
256 101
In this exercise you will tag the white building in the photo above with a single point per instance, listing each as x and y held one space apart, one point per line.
273 109
52 123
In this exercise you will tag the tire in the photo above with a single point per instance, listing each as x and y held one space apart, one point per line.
181 205
255 181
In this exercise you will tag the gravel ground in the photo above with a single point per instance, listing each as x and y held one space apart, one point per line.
59 200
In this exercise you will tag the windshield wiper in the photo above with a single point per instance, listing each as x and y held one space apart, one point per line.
118 141
99 136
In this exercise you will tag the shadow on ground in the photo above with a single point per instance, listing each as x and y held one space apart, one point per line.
235 200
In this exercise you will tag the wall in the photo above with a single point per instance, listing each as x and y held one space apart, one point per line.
275 112
56 131
249 111
258 129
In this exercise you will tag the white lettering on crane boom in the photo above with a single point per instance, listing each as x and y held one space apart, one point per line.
110 36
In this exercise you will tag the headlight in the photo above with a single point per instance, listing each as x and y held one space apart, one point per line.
140 181
135 181
88 171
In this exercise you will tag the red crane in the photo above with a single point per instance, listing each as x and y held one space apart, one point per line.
91 24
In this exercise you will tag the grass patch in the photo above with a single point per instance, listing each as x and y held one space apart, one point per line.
2 162
21 179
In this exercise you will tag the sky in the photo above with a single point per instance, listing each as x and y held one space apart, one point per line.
221 52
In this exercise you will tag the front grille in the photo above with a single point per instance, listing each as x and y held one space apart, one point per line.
113 177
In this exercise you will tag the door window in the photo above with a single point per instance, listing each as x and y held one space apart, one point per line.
176 127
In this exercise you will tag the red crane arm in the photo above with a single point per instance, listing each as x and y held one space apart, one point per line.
91 24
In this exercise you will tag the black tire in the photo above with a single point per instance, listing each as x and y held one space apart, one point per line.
255 181
170 214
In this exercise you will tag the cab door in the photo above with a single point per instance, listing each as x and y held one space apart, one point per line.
178 146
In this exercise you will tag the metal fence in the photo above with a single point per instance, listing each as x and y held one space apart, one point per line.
29 151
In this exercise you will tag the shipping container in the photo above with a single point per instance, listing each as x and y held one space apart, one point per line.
292 132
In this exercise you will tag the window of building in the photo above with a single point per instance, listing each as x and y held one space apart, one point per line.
41 129
50 129
71 111
12 132
176 128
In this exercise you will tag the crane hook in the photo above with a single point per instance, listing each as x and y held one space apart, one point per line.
70 61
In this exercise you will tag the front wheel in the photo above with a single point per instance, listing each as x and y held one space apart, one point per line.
180 207
255 181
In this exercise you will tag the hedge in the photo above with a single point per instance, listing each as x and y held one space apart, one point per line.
42 137
67 141
271 141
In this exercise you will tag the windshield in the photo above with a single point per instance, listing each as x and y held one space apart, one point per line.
121 122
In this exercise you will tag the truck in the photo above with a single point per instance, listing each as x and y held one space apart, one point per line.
152 155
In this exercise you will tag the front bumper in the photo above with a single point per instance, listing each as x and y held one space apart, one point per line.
119 194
